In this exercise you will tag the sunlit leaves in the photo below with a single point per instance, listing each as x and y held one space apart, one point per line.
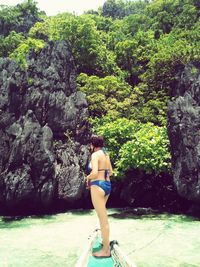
19 54
85 40
10 42
135 145
116 133
148 150
107 95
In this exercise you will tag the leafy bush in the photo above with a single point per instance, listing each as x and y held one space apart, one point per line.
116 133
109 95
90 53
19 54
10 43
135 145
148 150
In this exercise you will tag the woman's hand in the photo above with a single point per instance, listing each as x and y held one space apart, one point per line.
87 182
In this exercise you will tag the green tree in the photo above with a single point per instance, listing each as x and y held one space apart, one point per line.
19 18
167 14
148 150
107 95
113 8
134 54
102 23
90 53
116 133
19 54
173 52
10 43
133 145
117 9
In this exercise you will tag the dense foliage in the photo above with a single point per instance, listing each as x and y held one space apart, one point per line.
127 55
85 41
135 145
19 18
147 150
19 54
115 97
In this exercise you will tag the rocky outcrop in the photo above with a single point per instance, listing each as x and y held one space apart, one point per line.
184 132
44 132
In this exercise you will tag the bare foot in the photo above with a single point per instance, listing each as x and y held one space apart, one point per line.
102 254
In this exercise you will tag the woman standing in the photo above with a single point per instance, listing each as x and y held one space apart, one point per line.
100 188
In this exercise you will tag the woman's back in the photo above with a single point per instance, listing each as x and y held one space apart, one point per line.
104 165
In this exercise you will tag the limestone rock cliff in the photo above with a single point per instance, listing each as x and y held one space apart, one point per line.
44 131
184 132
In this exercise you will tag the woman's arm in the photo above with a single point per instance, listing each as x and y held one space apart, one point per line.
94 172
110 168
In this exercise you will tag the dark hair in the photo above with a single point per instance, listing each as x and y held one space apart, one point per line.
97 140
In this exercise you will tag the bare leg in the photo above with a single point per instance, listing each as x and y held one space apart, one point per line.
106 198
99 203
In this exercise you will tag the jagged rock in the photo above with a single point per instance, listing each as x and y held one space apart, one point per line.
41 116
52 92
29 167
184 132
72 157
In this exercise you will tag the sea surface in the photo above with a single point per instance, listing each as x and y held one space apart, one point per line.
160 240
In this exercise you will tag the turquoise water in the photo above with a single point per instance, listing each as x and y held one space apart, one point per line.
56 241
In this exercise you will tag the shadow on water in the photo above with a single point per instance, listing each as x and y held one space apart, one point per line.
10 219
81 211
22 221
117 213
148 213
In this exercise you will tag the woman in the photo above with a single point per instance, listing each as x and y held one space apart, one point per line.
100 188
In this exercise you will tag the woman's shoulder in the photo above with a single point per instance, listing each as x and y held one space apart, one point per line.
100 153
95 154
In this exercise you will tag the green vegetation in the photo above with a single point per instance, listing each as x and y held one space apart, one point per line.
148 150
87 46
127 55
19 54
115 97
116 133
135 145
10 43
18 18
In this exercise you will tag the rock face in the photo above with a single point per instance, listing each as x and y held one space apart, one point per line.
184 133
44 131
